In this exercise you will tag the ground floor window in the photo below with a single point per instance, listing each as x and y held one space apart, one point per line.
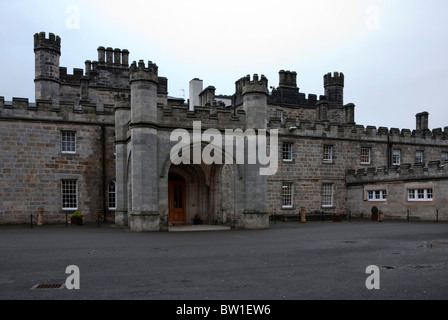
287 195
420 194
69 194
112 195
327 195
376 195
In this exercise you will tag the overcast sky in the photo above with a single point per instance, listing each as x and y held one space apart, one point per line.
393 53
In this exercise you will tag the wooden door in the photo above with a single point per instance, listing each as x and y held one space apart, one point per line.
176 198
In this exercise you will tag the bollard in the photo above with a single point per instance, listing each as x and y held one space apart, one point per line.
40 216
302 214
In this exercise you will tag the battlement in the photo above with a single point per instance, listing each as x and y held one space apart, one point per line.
404 172
51 43
246 85
337 78
139 72
46 110
122 101
359 132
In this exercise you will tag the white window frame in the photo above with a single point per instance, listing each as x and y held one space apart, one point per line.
327 156
376 195
287 194
277 114
327 195
68 145
421 194
112 195
419 156
396 157
69 194
444 156
287 151
368 155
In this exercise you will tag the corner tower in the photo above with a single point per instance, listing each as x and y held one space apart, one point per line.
334 89
47 52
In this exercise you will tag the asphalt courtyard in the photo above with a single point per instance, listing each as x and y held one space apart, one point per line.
288 261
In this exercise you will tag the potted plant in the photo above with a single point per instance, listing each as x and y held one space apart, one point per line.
374 215
76 218
197 220
337 217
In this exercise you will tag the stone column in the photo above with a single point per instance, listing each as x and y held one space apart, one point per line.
144 147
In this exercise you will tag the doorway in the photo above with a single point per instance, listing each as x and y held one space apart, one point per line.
176 199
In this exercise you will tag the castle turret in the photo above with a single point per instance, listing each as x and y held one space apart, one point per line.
255 103
144 215
47 81
334 89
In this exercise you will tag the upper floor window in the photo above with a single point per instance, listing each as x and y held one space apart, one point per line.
419 156
444 156
365 155
396 157
328 154
287 151
68 141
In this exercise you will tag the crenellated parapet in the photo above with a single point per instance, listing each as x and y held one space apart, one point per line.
334 79
256 85
52 43
350 131
139 72
405 172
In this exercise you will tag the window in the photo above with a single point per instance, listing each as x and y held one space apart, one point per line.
277 114
327 195
365 155
444 156
69 195
420 194
287 195
287 151
112 195
376 195
419 156
328 154
396 157
68 141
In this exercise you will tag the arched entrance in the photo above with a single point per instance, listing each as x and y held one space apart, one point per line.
176 198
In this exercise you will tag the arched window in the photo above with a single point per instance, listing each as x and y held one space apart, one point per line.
112 195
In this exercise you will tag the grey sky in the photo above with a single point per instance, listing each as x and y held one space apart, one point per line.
393 53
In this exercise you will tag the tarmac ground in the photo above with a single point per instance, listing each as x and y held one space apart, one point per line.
288 261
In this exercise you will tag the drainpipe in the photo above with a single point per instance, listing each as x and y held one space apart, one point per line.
103 164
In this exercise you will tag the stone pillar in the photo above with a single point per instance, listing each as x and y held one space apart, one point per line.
122 117
422 121
109 56
255 214
47 78
302 214
144 147
40 216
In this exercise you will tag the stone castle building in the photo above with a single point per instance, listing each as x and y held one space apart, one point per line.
99 141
